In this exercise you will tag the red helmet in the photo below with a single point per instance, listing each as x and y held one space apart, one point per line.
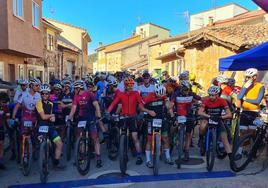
128 82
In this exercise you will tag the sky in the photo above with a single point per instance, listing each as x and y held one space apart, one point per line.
108 21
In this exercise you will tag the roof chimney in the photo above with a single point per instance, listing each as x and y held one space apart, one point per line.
210 21
134 33
100 44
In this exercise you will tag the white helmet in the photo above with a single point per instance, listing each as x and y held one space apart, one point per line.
251 72
57 86
222 79
45 88
22 82
160 90
79 84
111 80
184 76
185 83
213 90
35 81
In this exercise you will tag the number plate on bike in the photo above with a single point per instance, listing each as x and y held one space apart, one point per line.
157 123
43 129
212 122
181 119
28 124
82 124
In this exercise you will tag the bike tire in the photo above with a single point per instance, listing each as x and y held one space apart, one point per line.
156 155
211 149
123 154
68 144
17 146
28 151
43 161
236 136
85 154
247 138
180 146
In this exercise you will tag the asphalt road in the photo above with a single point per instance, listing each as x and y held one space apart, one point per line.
190 176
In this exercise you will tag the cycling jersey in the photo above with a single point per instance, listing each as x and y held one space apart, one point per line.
47 108
195 87
129 100
28 103
183 103
85 103
214 107
146 90
157 104
55 100
227 93
66 99
18 95
100 87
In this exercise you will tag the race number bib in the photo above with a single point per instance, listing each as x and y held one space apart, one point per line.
43 129
181 119
212 122
82 124
28 124
157 123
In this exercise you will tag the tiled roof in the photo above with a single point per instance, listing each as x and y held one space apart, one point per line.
242 18
235 37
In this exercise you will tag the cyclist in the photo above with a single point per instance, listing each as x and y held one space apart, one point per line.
66 98
4 118
212 108
183 99
45 117
147 87
165 77
251 96
159 103
129 100
195 86
88 106
22 89
100 86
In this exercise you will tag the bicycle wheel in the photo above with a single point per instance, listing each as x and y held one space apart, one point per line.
236 133
211 149
243 153
43 161
68 143
82 152
123 154
156 155
180 146
27 157
17 146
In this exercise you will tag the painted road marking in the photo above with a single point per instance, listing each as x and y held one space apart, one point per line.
131 179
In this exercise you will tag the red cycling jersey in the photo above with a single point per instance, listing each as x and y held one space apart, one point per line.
129 100
214 107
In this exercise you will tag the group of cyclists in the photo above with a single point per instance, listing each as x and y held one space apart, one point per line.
98 97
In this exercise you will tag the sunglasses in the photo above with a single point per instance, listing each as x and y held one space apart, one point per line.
212 95
44 93
164 74
23 85
36 85
248 77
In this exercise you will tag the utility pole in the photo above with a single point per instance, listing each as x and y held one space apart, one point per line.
186 16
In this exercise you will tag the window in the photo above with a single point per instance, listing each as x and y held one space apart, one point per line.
18 8
50 42
35 14
21 72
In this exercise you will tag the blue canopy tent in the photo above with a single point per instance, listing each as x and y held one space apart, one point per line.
254 58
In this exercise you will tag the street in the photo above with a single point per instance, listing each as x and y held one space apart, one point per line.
140 176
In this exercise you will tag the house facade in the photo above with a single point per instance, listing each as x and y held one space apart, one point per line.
20 38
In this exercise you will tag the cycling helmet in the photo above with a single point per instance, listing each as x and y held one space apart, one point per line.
213 90
79 84
112 81
160 90
139 80
146 75
154 81
45 88
34 81
192 76
57 86
22 82
185 83
66 83
184 76
128 82
251 72
222 79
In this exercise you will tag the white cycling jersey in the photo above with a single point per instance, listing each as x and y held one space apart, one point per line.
29 101
144 91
